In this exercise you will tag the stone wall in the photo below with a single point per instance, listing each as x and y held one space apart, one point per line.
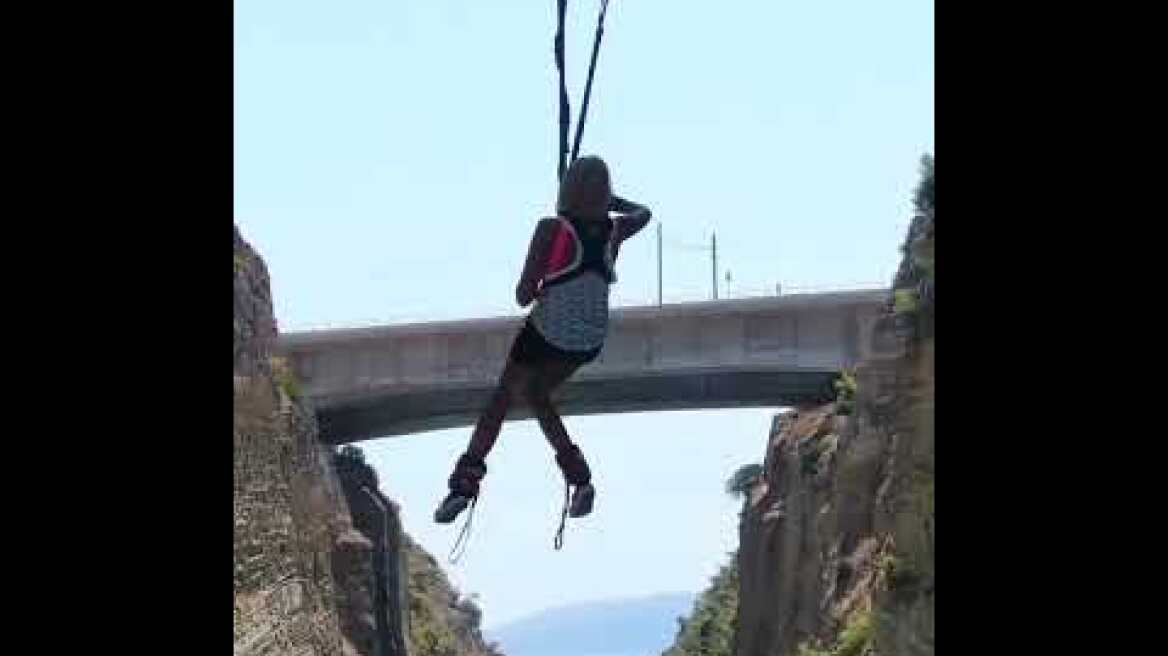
288 510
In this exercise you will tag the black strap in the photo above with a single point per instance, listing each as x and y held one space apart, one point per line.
588 84
559 541
463 535
565 109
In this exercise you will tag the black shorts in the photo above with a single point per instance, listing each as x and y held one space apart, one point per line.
532 348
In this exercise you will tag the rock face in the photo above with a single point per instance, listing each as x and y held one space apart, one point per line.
811 541
905 606
288 508
376 573
836 547
836 536
395 600
322 565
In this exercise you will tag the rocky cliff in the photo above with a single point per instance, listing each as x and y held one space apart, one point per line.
399 594
322 565
442 622
836 540
288 509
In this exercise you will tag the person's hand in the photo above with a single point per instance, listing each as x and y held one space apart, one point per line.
624 206
526 293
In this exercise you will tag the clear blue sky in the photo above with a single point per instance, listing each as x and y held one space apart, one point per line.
392 157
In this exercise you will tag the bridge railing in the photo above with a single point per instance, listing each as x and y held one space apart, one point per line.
620 299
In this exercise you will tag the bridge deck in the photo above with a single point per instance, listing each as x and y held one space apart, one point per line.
391 380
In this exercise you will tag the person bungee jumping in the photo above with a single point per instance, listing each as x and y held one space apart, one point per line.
569 269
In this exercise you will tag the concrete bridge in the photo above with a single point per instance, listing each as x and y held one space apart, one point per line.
760 352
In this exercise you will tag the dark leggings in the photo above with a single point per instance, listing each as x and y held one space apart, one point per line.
534 381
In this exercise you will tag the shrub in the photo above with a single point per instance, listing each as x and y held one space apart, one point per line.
743 479
853 640
285 378
845 392
904 301
855 637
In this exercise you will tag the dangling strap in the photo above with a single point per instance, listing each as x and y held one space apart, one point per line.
588 84
559 541
464 534
565 111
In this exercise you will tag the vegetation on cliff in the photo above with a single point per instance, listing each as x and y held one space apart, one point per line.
914 286
709 630
845 393
854 640
743 478
442 622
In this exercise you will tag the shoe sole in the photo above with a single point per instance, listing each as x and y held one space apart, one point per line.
582 501
452 510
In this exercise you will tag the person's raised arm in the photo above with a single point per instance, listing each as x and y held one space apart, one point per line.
633 217
537 254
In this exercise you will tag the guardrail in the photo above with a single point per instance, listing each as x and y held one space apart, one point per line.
618 301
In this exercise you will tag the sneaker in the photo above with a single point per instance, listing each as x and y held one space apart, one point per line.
452 505
582 498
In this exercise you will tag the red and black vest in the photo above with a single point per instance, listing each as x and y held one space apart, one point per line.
578 246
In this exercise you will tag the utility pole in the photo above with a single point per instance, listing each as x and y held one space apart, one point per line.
714 262
658 264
